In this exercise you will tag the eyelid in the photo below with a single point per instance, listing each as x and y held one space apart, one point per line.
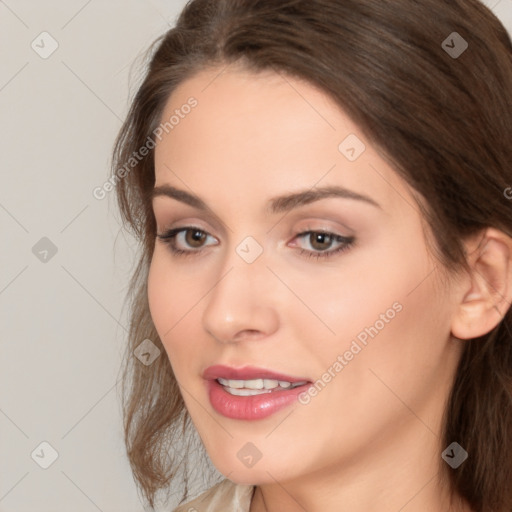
185 215
174 232
315 209
321 226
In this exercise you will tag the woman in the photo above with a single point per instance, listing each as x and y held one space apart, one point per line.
321 189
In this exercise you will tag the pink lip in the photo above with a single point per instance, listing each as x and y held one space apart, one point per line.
254 407
246 373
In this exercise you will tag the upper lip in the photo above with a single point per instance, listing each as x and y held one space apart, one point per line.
246 373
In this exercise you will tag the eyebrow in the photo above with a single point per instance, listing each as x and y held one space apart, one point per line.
280 204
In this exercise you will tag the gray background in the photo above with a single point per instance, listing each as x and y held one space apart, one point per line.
62 323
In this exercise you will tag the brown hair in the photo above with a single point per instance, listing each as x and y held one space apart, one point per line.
444 122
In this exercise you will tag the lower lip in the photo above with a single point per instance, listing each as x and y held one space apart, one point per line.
254 407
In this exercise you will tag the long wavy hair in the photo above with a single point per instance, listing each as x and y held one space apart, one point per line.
442 120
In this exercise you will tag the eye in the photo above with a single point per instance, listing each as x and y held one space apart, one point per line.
321 241
187 237
190 240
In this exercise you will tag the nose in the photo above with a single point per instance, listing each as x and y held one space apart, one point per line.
242 303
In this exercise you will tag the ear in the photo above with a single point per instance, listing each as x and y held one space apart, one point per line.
487 291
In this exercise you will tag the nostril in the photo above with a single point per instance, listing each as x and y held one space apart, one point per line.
250 334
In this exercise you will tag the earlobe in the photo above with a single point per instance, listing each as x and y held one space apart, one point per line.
487 297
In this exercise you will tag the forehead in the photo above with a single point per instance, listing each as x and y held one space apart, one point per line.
266 131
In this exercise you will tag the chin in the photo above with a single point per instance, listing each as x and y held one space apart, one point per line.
262 472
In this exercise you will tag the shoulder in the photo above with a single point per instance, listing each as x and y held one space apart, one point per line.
226 496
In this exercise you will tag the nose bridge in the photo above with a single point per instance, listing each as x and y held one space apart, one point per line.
240 300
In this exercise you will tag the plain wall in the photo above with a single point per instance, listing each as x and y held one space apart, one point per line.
62 326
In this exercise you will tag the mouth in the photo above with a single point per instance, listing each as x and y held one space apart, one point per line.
254 387
251 393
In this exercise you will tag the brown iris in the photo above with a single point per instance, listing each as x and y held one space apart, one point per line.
322 239
194 237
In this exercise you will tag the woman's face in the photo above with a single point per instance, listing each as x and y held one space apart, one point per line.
304 260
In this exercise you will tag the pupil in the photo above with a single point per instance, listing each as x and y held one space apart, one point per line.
196 238
321 238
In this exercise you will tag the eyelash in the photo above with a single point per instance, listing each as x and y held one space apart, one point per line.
347 242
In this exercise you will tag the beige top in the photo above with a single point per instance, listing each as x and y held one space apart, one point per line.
226 496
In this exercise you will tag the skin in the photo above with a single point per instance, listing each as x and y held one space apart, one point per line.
370 440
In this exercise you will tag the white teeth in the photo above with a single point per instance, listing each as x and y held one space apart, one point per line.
255 386
270 383
247 392
232 383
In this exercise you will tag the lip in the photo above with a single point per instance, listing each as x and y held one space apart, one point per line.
254 407
247 373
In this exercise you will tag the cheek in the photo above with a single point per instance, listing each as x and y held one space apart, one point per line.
174 299
159 298
393 329
366 291
381 310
